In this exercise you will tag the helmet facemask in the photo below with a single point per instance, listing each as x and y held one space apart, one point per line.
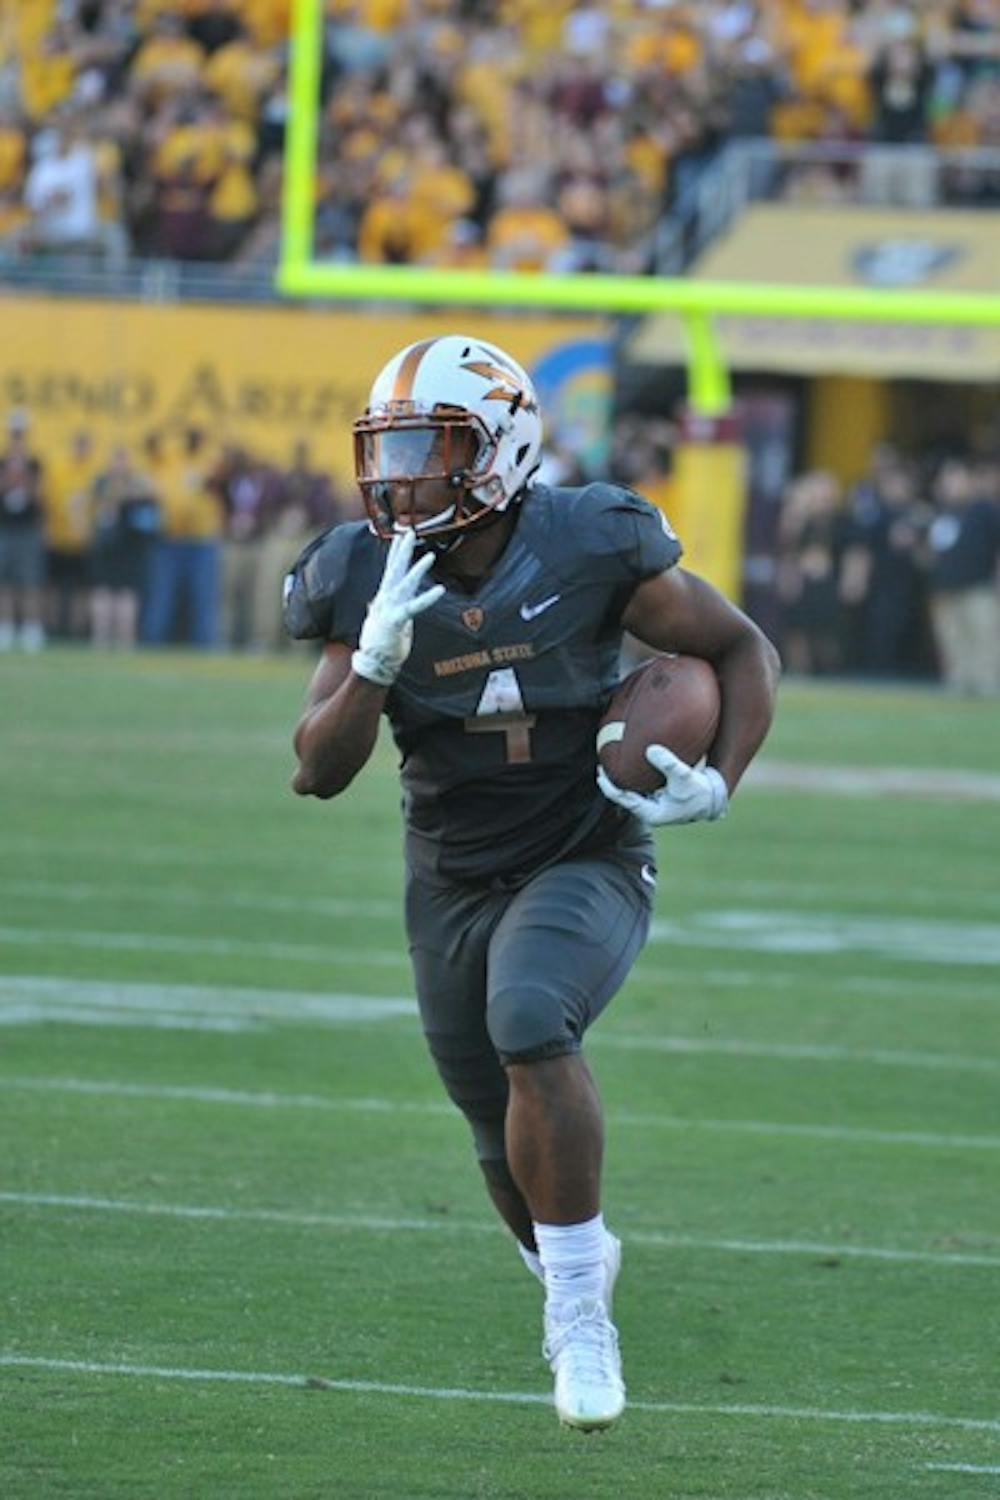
402 446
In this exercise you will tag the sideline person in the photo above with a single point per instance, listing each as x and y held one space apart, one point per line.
483 613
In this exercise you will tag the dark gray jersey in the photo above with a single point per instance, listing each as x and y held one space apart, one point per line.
496 708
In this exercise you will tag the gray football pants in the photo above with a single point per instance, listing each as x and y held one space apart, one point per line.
507 977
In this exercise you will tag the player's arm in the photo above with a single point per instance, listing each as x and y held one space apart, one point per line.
678 611
337 731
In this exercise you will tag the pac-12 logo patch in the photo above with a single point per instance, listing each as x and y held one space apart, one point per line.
472 618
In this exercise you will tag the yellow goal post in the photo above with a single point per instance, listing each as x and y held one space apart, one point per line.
696 303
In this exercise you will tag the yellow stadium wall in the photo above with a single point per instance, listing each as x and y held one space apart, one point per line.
708 499
846 418
262 376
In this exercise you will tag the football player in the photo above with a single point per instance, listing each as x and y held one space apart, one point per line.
483 614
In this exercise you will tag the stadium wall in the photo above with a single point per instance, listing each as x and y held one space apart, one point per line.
261 376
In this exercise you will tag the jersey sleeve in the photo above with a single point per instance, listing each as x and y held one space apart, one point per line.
327 591
632 538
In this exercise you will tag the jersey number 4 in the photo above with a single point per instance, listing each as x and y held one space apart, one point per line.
500 710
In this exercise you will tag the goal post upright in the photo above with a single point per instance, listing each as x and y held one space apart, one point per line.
298 196
697 303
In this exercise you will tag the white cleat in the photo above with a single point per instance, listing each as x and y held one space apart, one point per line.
581 1347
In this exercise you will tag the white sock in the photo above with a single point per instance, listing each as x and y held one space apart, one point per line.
532 1261
573 1259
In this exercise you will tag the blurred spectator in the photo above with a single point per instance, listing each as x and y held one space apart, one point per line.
61 196
169 62
307 505
525 234
240 73
126 522
964 576
462 248
882 582
250 492
183 600
433 110
69 528
397 228
22 540
810 538
13 151
642 453
901 81
203 197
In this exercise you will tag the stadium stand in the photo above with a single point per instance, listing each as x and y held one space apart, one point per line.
143 138
154 129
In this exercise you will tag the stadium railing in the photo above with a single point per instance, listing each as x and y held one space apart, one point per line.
764 170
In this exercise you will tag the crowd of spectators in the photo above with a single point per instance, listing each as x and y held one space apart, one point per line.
183 541
178 540
899 576
509 133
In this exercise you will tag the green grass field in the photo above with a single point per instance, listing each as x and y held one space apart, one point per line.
245 1250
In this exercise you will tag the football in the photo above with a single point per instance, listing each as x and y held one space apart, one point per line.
669 700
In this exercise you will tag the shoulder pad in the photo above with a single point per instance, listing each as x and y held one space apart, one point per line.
612 527
328 589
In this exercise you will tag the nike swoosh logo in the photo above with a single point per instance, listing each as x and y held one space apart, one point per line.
646 874
529 611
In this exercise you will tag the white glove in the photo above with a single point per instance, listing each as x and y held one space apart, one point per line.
688 795
387 634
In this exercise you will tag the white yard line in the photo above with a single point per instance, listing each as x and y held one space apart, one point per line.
380 1224
774 932
141 942
844 1134
764 775
718 887
868 985
874 781
796 1052
826 934
519 1398
117 741
205 1003
28 999
77 891
172 1004
80 851
965 1468
149 892
254 1100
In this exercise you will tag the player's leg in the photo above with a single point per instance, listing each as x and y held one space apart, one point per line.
562 949
6 609
449 930
560 952
202 570
162 587
31 580
555 1137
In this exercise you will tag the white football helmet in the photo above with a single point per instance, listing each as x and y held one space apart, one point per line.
451 408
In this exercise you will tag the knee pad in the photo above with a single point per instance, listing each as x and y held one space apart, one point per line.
527 1023
478 1087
